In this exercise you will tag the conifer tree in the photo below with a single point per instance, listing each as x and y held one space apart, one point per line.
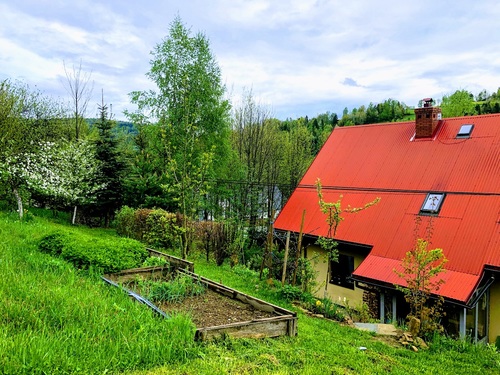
109 198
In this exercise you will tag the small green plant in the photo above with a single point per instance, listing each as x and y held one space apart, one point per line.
328 309
155 261
290 293
421 273
173 291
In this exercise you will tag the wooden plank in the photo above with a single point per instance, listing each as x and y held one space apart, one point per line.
144 272
270 327
177 262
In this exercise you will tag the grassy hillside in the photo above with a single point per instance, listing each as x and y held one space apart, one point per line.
55 319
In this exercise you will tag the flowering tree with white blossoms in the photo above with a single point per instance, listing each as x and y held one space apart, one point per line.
65 172
68 173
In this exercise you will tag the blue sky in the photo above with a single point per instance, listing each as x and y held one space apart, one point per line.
299 57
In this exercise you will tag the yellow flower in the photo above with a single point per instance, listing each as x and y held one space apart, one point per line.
318 303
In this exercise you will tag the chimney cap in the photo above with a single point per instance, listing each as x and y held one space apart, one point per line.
427 102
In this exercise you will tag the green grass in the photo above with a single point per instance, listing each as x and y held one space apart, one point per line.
55 319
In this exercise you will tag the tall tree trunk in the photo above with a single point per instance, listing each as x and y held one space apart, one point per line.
19 203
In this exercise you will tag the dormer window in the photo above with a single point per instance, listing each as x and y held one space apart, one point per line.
432 203
465 131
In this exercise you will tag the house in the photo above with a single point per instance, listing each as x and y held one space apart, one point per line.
445 171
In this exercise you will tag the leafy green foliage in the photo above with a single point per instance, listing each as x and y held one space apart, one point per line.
192 115
388 111
125 222
155 261
158 228
105 254
163 229
175 290
460 103
333 212
421 269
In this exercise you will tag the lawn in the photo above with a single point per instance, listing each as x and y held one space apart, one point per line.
56 319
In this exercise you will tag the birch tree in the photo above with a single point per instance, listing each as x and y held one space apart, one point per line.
189 107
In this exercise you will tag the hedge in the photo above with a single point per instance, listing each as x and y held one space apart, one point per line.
107 254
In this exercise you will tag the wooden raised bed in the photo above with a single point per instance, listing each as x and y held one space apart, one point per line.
277 321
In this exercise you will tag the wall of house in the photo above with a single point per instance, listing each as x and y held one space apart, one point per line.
494 318
336 293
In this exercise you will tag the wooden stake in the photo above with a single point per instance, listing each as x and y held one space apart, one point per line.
299 248
287 246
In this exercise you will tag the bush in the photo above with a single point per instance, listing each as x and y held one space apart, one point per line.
218 238
290 293
125 221
162 229
53 243
84 251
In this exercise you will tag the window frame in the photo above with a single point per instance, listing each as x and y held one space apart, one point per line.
465 134
424 209
341 271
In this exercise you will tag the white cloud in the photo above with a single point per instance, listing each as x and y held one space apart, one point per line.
297 55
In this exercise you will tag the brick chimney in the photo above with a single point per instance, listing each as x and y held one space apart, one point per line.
427 119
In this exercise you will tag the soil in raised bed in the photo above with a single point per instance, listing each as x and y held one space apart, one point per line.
213 309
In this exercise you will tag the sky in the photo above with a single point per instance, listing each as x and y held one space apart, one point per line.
298 57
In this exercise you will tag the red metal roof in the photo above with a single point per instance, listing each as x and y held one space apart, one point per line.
384 160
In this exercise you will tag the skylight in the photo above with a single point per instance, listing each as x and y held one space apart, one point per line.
465 131
432 203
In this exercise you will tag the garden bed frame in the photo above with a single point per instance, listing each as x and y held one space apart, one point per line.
284 323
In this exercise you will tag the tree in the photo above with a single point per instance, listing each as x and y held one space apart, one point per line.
80 88
297 149
190 109
27 118
65 172
421 274
112 167
333 212
253 139
460 103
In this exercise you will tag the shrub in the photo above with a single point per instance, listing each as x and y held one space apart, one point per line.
125 222
218 238
162 229
140 224
53 243
290 293
84 251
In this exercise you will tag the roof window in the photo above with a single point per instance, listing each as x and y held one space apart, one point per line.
465 131
432 203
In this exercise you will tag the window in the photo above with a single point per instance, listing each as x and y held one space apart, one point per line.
465 131
432 203
341 272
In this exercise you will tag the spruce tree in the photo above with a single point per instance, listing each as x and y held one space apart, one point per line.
109 198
